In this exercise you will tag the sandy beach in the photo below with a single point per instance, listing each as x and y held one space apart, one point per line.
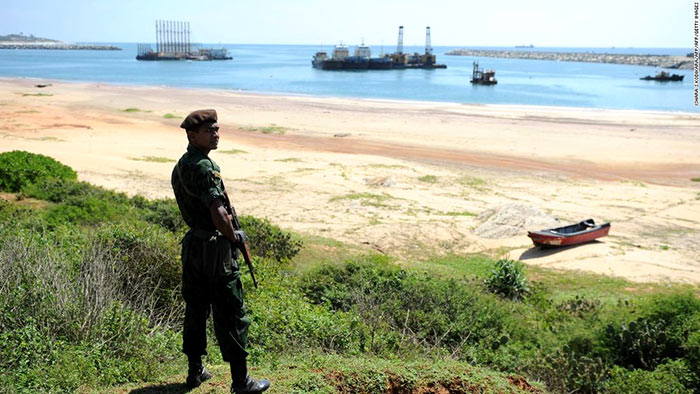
410 179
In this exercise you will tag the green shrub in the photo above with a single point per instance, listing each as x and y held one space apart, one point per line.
573 367
163 212
411 309
284 319
659 335
269 241
580 306
508 280
673 377
642 343
20 168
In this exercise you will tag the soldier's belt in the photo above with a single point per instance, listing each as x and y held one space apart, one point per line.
205 234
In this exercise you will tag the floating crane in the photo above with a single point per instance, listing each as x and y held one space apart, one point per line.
173 43
416 60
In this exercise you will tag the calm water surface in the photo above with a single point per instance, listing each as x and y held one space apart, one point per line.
287 69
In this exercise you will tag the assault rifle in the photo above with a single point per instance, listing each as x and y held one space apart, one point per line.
242 246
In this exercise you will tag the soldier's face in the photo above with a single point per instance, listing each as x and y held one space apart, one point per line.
207 137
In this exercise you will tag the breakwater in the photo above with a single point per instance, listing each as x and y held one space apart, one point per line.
674 62
56 45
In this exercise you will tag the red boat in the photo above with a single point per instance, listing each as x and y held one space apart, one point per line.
573 234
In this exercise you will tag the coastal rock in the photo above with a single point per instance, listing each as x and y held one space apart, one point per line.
56 46
664 61
512 219
384 181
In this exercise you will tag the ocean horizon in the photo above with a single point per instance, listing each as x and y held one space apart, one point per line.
286 69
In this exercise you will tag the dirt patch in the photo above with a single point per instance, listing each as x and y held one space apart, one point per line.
520 382
68 126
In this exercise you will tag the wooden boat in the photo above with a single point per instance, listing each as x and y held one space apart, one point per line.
574 234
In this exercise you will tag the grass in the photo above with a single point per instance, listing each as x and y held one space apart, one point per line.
37 94
49 138
232 151
30 111
134 109
271 129
153 159
428 178
307 169
290 160
380 165
470 181
695 179
367 199
458 213
311 372
171 116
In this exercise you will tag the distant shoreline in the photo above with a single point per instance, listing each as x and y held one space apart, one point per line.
672 62
53 45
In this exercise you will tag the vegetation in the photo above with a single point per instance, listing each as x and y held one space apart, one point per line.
90 298
19 169
37 94
508 280
232 151
134 109
428 178
271 129
154 159
171 116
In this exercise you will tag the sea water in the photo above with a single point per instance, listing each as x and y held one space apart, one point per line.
286 69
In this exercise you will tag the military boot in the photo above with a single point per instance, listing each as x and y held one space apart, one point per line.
196 373
243 383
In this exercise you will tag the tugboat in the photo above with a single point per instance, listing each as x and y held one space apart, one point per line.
321 60
663 76
360 60
380 63
483 77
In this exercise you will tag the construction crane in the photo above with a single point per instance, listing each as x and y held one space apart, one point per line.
399 46
428 47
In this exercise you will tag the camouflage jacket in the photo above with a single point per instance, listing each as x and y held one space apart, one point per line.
196 182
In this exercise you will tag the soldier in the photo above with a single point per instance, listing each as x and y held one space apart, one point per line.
210 276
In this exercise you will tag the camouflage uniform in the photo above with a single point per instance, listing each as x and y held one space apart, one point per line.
210 275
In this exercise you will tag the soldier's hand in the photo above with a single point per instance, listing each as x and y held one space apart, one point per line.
240 235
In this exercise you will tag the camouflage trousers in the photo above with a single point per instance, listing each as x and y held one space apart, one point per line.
211 282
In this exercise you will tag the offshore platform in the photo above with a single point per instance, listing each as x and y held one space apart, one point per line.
362 60
415 60
173 43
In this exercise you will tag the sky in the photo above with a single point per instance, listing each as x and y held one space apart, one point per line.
544 23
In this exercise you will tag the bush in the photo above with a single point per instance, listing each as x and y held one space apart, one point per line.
580 306
410 309
508 280
20 168
643 343
673 377
284 319
268 240
573 367
164 213
660 334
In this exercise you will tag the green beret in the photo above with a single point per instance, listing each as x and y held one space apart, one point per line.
199 117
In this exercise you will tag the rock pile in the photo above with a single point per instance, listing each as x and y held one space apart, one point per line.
512 219
674 62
